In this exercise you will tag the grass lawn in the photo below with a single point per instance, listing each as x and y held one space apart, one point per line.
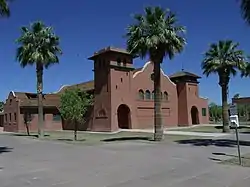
211 129
235 161
88 138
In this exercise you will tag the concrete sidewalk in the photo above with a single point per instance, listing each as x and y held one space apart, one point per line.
185 133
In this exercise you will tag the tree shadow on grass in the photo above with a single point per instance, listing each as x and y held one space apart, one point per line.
211 142
5 150
31 135
242 127
25 135
127 139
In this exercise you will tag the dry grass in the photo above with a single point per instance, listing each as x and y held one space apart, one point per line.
88 138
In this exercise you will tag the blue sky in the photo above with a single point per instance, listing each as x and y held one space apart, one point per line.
87 26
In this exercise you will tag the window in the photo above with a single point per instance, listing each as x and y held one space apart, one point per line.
118 62
6 118
204 112
10 101
121 80
147 95
15 116
9 117
56 117
102 113
124 60
165 96
153 95
141 94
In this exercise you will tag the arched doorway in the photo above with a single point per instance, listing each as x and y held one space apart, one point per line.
123 115
195 115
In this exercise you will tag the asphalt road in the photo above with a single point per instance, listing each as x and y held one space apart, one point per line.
33 163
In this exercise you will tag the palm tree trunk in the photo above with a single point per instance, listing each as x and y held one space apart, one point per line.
39 74
225 120
158 127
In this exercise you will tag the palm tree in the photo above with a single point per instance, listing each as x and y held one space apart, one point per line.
4 8
155 34
245 10
39 46
224 58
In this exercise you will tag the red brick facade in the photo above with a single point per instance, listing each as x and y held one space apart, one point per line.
123 98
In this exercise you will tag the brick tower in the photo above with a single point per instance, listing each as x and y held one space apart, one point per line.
188 98
113 102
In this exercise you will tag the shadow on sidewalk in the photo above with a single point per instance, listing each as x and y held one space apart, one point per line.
5 150
211 142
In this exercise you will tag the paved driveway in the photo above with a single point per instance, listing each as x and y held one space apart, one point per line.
36 163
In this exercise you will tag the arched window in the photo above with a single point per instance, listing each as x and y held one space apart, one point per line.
147 95
165 96
153 95
141 94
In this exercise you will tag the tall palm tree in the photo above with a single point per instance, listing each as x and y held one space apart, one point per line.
245 10
156 34
224 59
4 8
39 46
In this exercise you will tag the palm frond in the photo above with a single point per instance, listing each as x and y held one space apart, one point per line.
38 44
155 34
4 8
245 10
224 58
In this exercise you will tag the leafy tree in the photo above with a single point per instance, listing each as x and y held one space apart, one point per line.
74 105
4 8
224 59
215 112
39 46
1 106
236 96
155 34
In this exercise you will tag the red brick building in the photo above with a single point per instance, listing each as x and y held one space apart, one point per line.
123 98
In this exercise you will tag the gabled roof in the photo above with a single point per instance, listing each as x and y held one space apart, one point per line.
183 74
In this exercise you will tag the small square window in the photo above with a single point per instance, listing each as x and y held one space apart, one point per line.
204 112
56 117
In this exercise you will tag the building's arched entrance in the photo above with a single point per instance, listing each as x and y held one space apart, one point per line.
195 115
123 115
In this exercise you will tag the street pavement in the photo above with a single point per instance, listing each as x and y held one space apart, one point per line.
33 163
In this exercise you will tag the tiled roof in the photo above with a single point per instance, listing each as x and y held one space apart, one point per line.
30 99
108 49
183 74
84 86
